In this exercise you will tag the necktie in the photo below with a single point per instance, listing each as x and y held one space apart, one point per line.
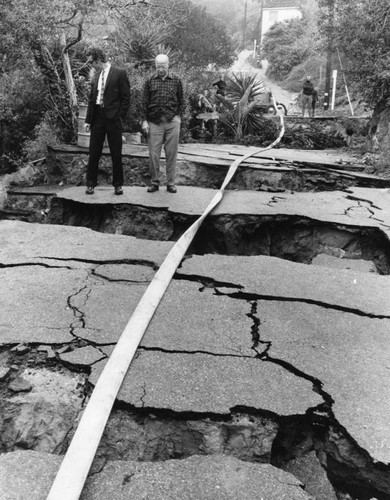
102 88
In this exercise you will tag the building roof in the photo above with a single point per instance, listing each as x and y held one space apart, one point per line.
282 4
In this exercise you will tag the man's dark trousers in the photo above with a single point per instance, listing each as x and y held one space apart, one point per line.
101 127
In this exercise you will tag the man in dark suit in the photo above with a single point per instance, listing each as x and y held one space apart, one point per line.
107 107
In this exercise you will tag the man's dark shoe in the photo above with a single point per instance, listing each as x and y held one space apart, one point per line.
89 190
118 190
171 189
153 188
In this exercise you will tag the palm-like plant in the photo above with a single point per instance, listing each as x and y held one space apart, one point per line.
243 91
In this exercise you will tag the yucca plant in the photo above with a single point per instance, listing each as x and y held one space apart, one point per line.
243 91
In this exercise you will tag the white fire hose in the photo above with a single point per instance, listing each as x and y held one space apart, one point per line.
72 474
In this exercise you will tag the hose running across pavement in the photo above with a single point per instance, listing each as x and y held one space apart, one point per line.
71 476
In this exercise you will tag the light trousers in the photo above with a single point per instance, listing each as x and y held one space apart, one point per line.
166 133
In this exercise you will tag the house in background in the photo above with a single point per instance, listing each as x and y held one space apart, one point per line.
275 11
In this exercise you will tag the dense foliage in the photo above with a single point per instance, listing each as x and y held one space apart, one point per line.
293 50
228 12
360 30
188 33
283 47
43 46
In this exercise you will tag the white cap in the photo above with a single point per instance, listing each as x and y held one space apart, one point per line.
162 59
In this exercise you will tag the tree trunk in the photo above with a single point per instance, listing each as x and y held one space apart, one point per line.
69 81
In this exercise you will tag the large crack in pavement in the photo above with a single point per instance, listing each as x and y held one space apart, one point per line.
321 414
251 296
369 478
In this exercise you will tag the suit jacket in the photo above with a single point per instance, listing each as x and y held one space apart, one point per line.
116 97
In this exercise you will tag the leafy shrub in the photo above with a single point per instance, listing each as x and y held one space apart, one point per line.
313 65
360 31
22 105
285 46
46 133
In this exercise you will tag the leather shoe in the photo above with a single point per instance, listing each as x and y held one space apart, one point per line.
153 188
89 190
171 189
118 190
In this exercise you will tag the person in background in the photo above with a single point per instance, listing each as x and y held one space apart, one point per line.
307 96
162 103
108 105
220 84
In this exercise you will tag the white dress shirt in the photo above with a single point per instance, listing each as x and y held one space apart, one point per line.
106 70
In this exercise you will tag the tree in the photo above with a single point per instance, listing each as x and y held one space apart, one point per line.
288 44
45 31
228 12
201 39
45 34
361 34
194 37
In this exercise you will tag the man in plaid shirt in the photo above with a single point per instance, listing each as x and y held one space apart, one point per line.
162 102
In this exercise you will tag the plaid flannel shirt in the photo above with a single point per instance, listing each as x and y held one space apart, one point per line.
162 98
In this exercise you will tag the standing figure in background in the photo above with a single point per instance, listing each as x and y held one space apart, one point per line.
107 107
307 96
220 84
162 103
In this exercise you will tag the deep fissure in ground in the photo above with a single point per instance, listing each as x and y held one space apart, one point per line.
149 434
153 434
291 237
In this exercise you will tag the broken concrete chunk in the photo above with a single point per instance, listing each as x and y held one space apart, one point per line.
84 356
4 371
20 349
48 350
63 349
308 469
209 478
20 385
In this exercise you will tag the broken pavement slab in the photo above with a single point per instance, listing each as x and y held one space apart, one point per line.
84 356
217 477
275 278
24 243
328 206
205 165
202 321
333 326
308 469
203 383
347 353
162 216
34 304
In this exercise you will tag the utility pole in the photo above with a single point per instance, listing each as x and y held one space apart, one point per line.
244 30
261 27
328 74
327 77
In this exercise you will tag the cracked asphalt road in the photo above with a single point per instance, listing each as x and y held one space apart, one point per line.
265 333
